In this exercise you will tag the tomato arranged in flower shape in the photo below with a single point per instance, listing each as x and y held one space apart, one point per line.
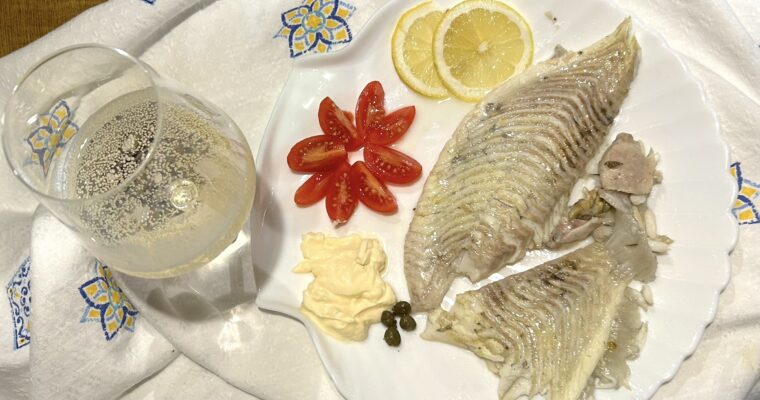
372 191
338 124
342 195
391 165
343 185
370 108
316 153
392 127
314 189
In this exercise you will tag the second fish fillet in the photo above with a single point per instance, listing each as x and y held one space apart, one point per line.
554 329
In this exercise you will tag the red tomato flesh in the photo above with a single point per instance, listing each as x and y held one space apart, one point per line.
390 165
370 108
342 196
316 153
338 124
372 192
314 189
392 127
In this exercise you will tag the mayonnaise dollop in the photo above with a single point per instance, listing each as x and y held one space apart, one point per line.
348 293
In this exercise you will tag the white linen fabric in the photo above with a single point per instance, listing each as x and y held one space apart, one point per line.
71 350
232 53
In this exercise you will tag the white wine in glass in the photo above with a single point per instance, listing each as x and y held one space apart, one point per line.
154 181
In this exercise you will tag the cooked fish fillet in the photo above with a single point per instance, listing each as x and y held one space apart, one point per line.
503 178
544 331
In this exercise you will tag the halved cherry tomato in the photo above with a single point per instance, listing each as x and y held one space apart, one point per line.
390 165
314 189
342 196
392 127
316 153
370 108
349 115
337 123
372 192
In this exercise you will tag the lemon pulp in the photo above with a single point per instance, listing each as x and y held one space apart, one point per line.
412 49
479 44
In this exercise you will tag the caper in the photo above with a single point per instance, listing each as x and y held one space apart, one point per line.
392 337
408 323
402 308
388 319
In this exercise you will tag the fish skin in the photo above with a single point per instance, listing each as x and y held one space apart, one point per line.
501 182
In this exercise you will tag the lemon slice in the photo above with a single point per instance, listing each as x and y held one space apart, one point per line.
412 49
480 44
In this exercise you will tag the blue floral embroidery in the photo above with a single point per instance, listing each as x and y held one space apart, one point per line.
316 25
53 131
20 296
151 2
106 303
746 205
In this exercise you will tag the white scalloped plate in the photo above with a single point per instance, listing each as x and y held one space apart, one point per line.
665 108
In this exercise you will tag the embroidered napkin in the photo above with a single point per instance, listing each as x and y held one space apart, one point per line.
90 341
196 311
14 277
85 341
235 53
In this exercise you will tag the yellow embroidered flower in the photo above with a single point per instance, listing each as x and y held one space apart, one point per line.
19 293
745 208
316 25
106 303
53 131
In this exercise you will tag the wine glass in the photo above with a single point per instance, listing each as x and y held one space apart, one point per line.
154 181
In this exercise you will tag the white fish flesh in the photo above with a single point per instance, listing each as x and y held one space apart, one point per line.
503 179
547 330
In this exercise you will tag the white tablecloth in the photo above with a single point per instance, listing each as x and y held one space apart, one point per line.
233 53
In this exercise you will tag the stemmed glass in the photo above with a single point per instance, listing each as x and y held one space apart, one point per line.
153 180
